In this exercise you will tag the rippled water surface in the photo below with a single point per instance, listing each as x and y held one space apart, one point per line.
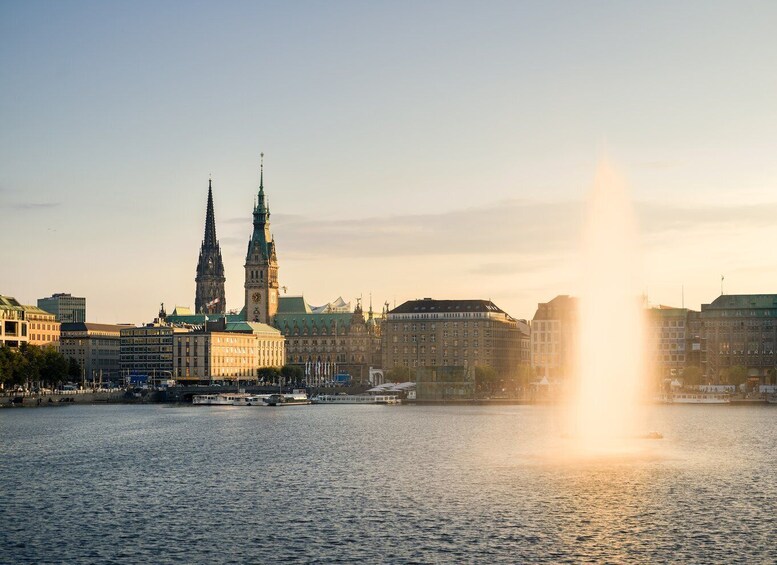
183 484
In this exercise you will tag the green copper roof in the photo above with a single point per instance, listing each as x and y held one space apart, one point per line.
9 303
182 311
199 319
251 327
738 301
293 305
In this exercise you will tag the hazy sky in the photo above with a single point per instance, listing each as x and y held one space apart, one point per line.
412 149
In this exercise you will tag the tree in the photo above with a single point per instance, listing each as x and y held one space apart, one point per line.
486 379
692 376
269 375
7 361
30 364
292 374
54 367
73 369
399 375
736 375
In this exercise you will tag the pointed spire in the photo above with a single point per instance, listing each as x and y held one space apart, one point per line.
210 220
261 172
261 208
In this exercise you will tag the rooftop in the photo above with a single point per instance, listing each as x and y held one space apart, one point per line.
429 305
738 301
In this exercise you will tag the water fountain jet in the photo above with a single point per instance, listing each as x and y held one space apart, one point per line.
610 348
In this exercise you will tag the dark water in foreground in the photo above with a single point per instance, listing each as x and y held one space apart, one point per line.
161 484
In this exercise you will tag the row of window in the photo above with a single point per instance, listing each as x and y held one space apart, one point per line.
42 326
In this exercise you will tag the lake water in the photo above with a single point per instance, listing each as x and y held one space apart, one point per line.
373 484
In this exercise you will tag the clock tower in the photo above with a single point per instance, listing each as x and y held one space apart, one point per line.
261 266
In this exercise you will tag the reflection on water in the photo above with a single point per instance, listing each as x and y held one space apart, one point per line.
125 484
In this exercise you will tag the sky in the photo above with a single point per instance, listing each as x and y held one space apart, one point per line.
412 149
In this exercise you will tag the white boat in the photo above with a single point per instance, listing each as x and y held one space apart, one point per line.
356 399
251 400
694 398
220 399
298 397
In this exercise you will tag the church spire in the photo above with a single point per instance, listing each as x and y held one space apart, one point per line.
210 220
209 297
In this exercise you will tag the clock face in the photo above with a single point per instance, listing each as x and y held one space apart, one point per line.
256 296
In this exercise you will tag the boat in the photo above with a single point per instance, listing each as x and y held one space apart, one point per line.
220 399
356 399
772 398
694 398
251 400
296 398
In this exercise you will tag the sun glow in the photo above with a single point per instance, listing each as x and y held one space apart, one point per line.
610 356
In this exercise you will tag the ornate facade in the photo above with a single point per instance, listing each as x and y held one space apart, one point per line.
261 267
210 297
330 340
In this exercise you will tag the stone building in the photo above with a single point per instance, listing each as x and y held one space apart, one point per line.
330 339
96 347
668 340
226 351
14 329
553 338
261 266
42 326
434 334
210 297
741 330
148 350
65 307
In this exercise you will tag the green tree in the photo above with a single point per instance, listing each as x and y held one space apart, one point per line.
73 369
692 376
54 367
269 375
399 375
6 365
486 379
292 374
736 375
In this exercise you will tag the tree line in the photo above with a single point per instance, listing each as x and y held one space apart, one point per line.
33 364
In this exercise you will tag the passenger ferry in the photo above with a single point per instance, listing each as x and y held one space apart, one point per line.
298 397
251 400
356 399
694 398
220 399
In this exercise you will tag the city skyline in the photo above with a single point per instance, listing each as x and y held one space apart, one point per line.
438 159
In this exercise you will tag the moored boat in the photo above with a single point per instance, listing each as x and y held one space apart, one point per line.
251 400
220 399
296 398
694 398
356 399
